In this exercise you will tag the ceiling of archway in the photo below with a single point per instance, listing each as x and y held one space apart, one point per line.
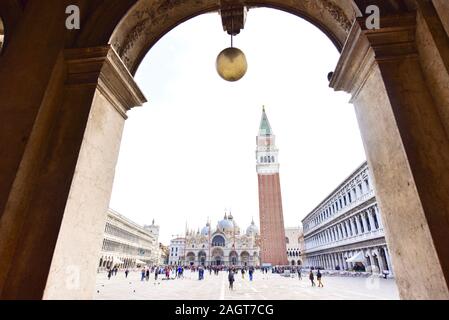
149 20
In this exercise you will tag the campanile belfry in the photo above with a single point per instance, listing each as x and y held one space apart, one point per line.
272 230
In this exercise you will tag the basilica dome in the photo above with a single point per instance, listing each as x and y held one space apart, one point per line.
252 229
226 224
205 231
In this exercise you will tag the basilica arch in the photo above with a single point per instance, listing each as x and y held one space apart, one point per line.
190 258
202 258
233 258
245 259
62 122
217 257
218 240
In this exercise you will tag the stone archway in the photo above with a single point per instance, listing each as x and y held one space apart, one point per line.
76 92
217 257
133 38
245 258
233 258
190 258
202 258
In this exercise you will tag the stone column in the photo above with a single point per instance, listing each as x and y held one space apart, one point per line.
387 257
359 226
408 151
365 225
369 259
73 152
339 260
353 227
378 216
370 213
343 230
379 259
348 227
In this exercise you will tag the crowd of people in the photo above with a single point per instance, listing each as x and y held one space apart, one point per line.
177 272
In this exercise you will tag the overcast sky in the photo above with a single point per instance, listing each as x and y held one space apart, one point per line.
189 153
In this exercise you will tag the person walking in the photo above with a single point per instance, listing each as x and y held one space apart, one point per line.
143 274
126 273
243 273
156 273
299 273
318 277
167 273
251 271
312 278
147 274
231 279
109 274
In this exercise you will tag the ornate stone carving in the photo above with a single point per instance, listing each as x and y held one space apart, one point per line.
338 14
150 18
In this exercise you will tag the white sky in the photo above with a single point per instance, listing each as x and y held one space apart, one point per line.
189 153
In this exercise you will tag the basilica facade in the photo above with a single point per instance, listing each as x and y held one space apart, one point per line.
223 245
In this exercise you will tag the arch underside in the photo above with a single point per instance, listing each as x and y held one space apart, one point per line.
148 20
132 27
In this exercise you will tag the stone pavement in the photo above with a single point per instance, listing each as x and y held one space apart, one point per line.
263 287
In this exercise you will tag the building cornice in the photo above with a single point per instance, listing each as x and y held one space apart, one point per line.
101 67
338 189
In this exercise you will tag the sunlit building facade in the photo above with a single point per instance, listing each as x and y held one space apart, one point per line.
345 231
127 244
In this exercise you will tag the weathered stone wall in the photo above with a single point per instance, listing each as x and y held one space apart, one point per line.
73 269
442 7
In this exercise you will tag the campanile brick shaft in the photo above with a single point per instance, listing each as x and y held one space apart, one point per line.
272 230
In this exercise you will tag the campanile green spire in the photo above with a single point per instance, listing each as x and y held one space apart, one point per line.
265 128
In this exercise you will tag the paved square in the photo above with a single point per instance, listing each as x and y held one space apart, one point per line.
263 287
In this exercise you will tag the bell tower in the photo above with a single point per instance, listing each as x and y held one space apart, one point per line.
272 230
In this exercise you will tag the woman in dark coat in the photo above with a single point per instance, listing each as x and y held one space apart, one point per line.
231 279
312 278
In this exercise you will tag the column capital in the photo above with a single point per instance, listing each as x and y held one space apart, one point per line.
363 48
102 67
